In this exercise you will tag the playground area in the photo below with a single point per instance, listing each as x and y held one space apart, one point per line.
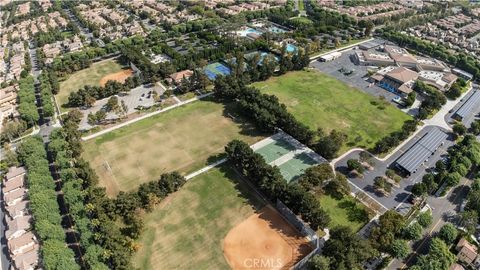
265 240
214 69
288 154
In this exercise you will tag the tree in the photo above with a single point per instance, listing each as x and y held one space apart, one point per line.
468 220
318 262
354 164
459 129
439 252
346 249
316 175
425 219
328 146
391 224
419 189
400 249
412 231
112 104
448 233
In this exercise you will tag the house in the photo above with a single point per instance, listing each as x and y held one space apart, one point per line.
15 196
17 210
28 260
17 227
467 252
13 184
456 266
21 245
177 77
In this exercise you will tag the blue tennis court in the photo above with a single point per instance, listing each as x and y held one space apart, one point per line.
214 69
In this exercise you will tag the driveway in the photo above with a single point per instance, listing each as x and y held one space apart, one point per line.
399 194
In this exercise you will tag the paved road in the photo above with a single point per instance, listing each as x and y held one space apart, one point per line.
444 210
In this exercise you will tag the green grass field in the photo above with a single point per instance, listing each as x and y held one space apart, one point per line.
321 101
88 76
187 229
345 212
183 139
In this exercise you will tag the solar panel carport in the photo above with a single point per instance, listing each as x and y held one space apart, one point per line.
468 106
421 151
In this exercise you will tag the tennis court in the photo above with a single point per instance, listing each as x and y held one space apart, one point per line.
288 154
214 69
295 167
275 150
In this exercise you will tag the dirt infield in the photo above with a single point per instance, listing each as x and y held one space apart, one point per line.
264 241
117 76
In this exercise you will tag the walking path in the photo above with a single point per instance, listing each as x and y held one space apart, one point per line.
315 57
89 137
204 169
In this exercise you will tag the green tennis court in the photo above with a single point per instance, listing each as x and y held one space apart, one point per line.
275 150
296 166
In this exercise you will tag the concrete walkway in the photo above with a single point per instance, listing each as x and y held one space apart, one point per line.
107 130
315 57
204 169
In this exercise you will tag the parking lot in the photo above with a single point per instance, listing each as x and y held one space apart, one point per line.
141 96
397 199
357 79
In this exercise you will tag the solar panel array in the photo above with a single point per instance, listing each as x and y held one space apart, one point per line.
420 151
469 105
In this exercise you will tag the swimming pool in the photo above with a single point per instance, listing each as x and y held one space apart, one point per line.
291 48
248 30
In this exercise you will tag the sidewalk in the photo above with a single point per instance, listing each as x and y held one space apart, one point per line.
313 58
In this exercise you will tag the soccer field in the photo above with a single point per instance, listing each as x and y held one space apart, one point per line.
184 139
321 101
88 76
186 231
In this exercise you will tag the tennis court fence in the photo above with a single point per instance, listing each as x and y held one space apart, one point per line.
304 229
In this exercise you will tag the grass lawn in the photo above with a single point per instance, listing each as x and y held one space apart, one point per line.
186 231
88 76
321 101
343 45
301 5
183 139
345 212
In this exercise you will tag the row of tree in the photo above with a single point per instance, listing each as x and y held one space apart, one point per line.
269 180
27 107
46 92
74 198
44 206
